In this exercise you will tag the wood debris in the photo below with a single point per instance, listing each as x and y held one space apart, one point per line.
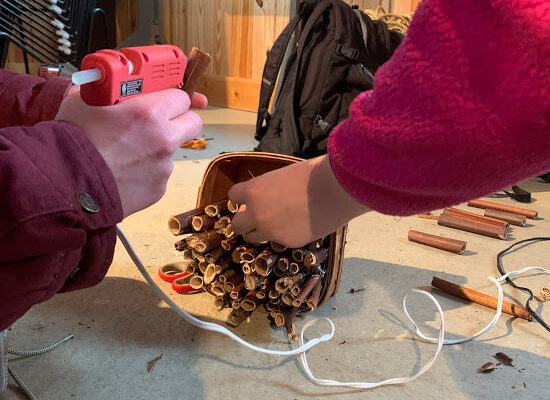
504 358
487 367
151 364
195 144
352 290
544 294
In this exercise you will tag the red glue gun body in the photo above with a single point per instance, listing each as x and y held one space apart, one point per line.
132 71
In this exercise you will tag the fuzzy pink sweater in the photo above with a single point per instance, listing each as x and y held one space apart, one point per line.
461 110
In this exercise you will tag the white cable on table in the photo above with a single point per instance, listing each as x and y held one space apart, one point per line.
304 346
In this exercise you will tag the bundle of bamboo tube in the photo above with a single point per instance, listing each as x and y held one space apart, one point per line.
248 276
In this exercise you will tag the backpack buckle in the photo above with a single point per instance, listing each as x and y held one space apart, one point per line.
348 52
323 125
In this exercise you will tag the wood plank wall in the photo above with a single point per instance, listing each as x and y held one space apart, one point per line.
237 33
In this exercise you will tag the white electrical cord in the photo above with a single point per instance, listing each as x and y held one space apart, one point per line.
304 346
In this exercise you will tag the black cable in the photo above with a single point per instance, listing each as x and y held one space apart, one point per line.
526 290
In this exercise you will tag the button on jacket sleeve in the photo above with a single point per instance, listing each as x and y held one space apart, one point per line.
48 242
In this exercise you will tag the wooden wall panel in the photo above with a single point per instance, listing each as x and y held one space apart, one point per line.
237 33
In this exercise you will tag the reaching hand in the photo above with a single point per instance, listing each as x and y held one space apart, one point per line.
293 205
137 138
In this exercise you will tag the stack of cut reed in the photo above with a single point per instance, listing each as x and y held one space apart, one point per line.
247 276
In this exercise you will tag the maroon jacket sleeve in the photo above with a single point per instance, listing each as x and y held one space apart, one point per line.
48 242
27 100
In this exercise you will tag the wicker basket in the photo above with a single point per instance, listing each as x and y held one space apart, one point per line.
231 168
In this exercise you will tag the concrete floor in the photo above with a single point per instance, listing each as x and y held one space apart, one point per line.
120 325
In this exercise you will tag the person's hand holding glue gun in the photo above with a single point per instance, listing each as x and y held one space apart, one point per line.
138 116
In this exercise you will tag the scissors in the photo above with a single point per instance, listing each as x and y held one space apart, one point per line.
177 275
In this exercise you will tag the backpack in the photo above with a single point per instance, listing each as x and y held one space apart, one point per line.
338 52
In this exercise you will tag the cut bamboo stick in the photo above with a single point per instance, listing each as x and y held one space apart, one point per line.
480 298
181 245
234 281
287 298
236 254
475 217
203 222
456 222
214 255
248 255
315 257
226 275
232 206
196 282
531 214
513 219
198 62
206 241
294 268
306 290
247 269
252 281
237 291
451 245
223 263
298 255
229 244
216 288
236 317
250 301
202 267
221 302
222 222
266 261
216 209
209 274
283 264
313 299
182 223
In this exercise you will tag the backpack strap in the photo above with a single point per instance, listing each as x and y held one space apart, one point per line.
274 61
315 15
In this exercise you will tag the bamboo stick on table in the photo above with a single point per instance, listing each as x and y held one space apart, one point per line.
456 222
513 219
475 217
480 298
440 242
531 214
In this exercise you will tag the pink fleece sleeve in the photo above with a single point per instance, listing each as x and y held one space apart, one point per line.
461 110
